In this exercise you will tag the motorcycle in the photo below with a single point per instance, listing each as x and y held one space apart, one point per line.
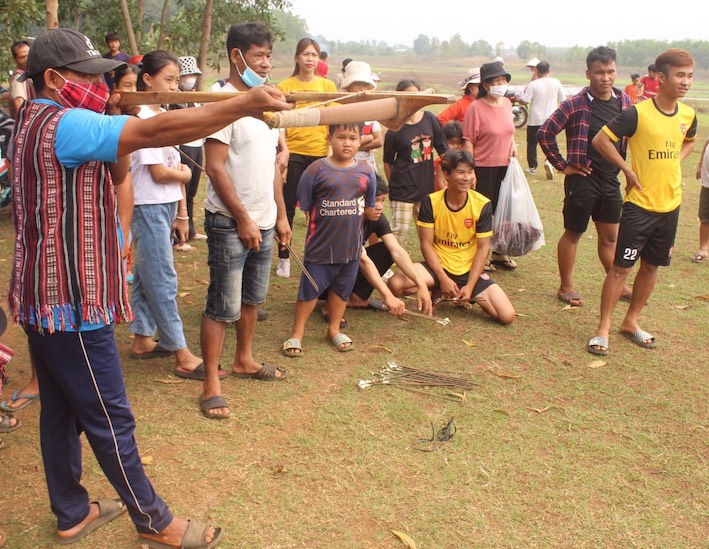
520 113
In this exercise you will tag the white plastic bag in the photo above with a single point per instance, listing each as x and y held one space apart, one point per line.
517 227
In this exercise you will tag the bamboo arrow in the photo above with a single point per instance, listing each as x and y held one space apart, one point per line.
392 109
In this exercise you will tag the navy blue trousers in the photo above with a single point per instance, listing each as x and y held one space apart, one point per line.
82 388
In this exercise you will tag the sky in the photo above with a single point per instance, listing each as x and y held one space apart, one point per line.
552 24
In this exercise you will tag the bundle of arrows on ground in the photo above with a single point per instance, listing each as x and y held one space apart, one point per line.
415 379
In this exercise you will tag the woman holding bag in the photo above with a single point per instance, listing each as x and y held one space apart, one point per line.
488 133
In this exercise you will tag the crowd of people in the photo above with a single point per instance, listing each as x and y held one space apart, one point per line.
112 209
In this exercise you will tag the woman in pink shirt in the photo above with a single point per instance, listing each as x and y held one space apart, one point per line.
488 132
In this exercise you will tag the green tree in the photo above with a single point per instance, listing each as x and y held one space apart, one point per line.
481 48
422 45
527 50
457 47
577 55
16 18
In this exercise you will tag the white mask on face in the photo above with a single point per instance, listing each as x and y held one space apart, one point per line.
498 91
187 83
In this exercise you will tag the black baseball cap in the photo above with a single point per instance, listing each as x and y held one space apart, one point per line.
67 48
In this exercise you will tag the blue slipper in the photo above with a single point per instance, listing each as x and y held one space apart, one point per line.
4 405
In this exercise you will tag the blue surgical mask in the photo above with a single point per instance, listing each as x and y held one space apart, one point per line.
250 77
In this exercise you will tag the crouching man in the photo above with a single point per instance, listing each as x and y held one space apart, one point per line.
455 226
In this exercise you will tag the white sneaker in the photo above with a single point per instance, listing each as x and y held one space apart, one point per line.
283 269
549 170
530 171
387 275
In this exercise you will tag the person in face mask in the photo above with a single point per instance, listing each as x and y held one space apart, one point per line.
67 286
244 210
489 134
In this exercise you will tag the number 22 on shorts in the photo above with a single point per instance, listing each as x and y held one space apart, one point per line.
630 254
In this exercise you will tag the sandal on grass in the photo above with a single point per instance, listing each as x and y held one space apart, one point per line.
598 345
194 538
108 509
7 425
292 347
342 343
699 257
570 298
28 399
208 404
641 338
326 318
265 373
504 261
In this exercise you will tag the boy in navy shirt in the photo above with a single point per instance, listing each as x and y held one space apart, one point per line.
334 192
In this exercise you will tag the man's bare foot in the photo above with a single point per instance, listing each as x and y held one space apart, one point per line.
175 533
213 405
22 398
143 345
101 512
92 516
185 360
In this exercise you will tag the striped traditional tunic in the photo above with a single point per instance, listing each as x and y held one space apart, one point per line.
67 267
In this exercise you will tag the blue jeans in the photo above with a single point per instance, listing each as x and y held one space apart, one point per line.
236 273
154 293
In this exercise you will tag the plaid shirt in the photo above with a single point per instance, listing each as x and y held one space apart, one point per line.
574 116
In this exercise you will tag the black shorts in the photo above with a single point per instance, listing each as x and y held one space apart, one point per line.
646 235
704 205
483 283
595 196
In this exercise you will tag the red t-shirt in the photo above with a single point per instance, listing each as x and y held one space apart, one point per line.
321 69
652 87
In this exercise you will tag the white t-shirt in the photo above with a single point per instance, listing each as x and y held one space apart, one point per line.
251 166
543 95
705 169
18 89
145 189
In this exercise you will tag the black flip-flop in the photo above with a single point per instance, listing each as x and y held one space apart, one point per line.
265 373
326 318
198 373
157 352
212 403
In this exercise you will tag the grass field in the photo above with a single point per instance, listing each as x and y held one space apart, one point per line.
551 450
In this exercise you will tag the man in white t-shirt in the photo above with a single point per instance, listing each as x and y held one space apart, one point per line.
543 96
243 209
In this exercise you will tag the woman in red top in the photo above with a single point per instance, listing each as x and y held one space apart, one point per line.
470 85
